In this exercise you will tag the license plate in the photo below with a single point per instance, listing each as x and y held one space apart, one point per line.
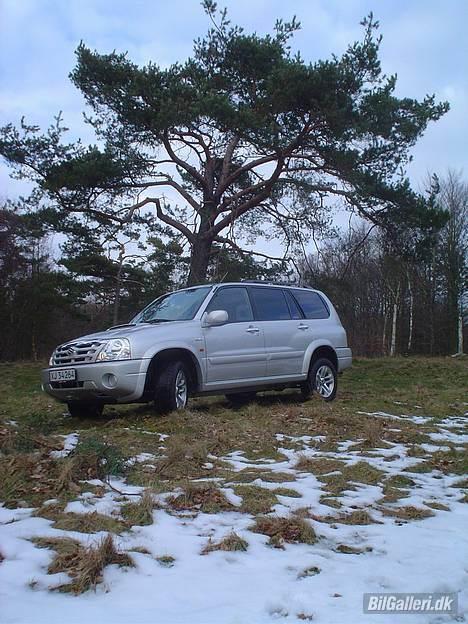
65 374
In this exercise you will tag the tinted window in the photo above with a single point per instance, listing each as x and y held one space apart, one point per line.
235 301
270 304
293 307
312 304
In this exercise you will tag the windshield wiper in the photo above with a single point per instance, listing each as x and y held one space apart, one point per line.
159 321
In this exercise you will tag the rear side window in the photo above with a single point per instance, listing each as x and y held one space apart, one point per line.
293 306
312 304
235 301
270 304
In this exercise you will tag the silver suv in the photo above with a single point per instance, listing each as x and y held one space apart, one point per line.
233 339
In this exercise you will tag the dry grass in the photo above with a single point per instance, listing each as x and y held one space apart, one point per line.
399 481
84 565
318 465
247 475
420 467
311 571
352 550
89 523
256 499
330 502
362 472
284 491
231 542
281 530
203 497
183 459
392 495
139 513
357 517
436 505
451 462
407 513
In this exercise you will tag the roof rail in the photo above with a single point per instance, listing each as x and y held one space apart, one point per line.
269 283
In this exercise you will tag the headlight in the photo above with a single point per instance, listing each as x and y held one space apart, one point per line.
117 349
51 359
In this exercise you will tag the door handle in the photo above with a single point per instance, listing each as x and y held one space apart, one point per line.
302 326
252 330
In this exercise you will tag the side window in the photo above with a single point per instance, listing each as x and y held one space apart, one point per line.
293 307
270 304
312 304
235 301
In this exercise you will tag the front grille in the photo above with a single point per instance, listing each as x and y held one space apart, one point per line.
76 353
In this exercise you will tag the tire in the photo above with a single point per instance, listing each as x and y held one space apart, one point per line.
85 409
322 379
172 388
237 399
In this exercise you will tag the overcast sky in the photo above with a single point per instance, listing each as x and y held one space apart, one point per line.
425 43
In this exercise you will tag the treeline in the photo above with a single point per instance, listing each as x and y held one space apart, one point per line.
392 299
54 287
400 301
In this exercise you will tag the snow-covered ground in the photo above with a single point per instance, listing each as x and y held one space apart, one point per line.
263 584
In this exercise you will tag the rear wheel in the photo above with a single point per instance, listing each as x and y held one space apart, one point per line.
172 388
240 398
85 409
322 380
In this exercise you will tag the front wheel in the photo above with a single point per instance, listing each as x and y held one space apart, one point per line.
85 409
172 388
322 379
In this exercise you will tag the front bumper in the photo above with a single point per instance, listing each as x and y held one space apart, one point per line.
345 358
108 382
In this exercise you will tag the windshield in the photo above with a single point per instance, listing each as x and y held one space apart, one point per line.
178 306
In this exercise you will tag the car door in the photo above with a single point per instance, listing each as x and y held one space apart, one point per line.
316 314
235 351
284 328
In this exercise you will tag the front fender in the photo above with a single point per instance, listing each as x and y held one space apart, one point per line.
196 348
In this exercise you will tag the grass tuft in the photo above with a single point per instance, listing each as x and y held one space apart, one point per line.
88 523
84 565
200 497
255 499
284 491
231 542
352 550
281 530
318 465
407 513
141 512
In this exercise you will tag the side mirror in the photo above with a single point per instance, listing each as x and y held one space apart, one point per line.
216 317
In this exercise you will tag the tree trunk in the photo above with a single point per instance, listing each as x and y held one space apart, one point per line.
384 332
460 332
394 323
199 261
118 288
411 316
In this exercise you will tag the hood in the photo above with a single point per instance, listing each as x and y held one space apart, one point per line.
127 331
